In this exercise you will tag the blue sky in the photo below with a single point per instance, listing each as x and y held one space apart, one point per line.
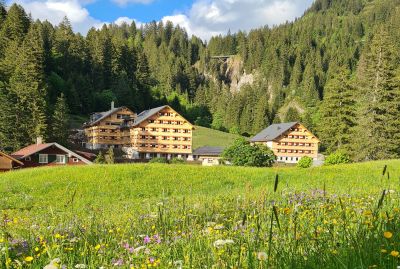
203 18
106 10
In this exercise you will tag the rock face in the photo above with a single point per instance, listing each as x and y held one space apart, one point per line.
233 74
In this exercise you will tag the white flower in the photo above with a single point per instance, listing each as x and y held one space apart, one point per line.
262 256
80 266
219 227
54 264
51 266
221 243
139 248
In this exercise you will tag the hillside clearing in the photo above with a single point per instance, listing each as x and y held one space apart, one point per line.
203 136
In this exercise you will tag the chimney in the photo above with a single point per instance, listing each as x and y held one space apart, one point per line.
112 105
39 140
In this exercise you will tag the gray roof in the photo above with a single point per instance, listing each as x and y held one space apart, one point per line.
208 151
147 113
272 132
98 116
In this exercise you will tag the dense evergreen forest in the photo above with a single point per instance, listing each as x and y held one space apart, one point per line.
336 69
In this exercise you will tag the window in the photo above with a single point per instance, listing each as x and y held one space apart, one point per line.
28 158
60 159
75 160
43 158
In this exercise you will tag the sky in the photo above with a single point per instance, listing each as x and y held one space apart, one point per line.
203 18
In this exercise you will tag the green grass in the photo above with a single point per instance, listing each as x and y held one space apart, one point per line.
208 137
103 215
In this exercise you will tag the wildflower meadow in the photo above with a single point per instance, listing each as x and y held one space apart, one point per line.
183 216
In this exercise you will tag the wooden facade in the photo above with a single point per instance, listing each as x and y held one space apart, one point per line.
158 132
290 142
106 130
8 163
48 154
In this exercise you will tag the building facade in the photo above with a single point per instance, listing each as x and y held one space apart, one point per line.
289 141
157 132
8 163
48 154
208 156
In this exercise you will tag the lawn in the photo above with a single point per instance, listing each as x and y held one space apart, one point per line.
183 216
209 137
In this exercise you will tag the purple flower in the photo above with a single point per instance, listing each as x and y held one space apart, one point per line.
118 262
146 239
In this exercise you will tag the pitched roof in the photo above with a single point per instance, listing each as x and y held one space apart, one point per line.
272 132
32 149
209 151
99 116
147 113
11 158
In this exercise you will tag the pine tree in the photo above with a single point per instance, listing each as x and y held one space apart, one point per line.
27 84
59 123
377 135
261 114
337 113
292 115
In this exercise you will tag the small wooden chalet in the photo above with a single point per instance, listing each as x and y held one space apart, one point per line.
8 163
48 154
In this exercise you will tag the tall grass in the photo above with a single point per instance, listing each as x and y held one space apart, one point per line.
174 216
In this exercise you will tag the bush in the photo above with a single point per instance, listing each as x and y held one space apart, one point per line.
158 160
242 153
177 161
337 158
305 162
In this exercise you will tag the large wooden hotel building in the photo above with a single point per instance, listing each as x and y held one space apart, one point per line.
157 132
289 141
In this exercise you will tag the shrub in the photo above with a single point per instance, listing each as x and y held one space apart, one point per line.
177 161
100 158
242 153
158 160
337 158
305 162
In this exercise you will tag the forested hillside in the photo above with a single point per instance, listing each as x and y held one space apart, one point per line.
336 69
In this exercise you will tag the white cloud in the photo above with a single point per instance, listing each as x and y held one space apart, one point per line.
205 18
55 10
125 2
211 17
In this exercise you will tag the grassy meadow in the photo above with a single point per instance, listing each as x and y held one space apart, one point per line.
184 216
203 136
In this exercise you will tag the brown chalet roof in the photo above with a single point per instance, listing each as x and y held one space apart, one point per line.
11 158
32 149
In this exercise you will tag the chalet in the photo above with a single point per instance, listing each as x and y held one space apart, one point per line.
289 141
157 132
7 162
208 156
48 154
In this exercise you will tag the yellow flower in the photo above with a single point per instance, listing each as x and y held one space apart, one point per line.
30 258
387 235
97 247
394 253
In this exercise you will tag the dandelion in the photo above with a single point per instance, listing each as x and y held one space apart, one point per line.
97 247
394 253
28 259
262 256
387 234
